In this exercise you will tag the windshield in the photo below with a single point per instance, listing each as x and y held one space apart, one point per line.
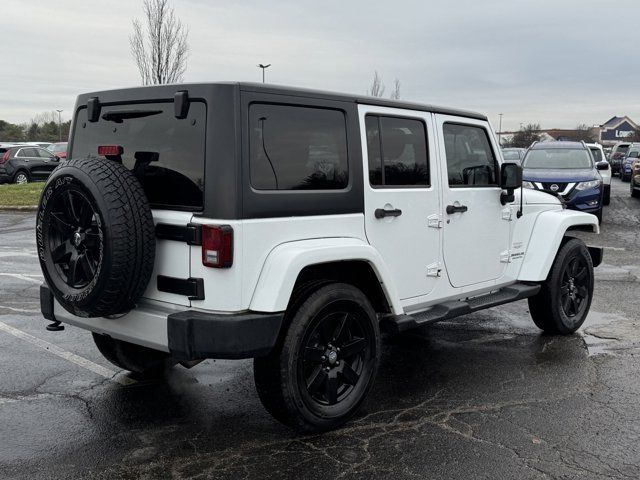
511 155
558 158
597 154
622 149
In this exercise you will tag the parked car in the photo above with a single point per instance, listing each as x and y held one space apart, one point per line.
59 149
514 154
618 153
604 168
633 153
24 163
634 181
565 169
294 236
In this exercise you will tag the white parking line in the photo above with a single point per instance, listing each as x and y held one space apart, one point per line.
24 277
71 357
21 310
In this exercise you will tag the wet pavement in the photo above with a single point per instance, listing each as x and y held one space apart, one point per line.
484 396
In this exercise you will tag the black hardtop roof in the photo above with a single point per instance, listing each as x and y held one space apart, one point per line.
164 91
565 145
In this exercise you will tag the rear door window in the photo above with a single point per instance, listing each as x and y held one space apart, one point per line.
166 154
397 152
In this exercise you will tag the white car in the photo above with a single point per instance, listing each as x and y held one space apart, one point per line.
234 220
604 168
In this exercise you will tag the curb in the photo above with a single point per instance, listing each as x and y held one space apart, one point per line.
12 208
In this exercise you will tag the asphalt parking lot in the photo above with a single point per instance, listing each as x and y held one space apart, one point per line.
485 396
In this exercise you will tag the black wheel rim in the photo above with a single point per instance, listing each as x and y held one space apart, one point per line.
574 289
74 238
335 356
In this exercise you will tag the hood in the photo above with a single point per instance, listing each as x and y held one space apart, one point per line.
559 175
536 197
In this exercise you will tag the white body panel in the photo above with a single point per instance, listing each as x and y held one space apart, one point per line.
172 258
473 240
409 246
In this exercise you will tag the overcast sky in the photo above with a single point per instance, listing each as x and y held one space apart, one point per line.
557 63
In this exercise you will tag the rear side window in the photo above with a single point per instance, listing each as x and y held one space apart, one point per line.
470 158
397 152
166 154
42 153
297 148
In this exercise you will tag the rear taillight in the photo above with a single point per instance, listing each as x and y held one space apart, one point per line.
110 150
217 246
5 157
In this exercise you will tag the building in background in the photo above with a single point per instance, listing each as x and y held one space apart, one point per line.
608 134
617 129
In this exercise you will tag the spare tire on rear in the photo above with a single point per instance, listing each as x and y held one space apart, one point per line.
95 237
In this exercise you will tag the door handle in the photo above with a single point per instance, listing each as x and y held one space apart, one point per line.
451 209
382 213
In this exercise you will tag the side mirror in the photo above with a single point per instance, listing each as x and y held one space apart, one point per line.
510 179
602 165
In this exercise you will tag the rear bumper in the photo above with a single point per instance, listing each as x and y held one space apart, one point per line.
186 334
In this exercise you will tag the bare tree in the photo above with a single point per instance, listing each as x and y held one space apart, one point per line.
525 136
160 47
377 87
585 132
395 94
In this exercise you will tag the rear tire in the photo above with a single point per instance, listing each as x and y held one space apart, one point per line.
21 178
132 357
563 303
321 371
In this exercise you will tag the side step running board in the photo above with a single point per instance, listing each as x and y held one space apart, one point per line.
455 308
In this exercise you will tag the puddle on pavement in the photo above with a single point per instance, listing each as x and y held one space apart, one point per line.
606 333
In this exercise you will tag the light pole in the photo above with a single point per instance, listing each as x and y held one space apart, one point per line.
263 67
500 132
59 124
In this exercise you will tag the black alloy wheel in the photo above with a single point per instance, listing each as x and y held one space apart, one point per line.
322 368
574 290
563 303
335 353
75 238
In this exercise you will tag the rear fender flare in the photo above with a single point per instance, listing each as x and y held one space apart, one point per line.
285 262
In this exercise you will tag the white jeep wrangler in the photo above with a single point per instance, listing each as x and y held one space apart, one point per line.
291 226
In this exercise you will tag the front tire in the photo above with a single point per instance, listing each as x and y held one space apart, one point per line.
563 303
321 372
606 200
135 358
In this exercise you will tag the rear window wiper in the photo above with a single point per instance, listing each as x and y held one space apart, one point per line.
118 116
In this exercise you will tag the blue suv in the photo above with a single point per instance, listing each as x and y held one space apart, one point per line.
567 170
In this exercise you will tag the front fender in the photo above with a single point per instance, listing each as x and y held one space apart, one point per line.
548 231
285 262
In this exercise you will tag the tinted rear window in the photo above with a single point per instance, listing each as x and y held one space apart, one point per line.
297 148
165 153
